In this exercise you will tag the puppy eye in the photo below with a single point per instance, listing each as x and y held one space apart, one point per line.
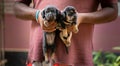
71 11
51 11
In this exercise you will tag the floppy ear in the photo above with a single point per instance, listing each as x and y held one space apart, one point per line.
62 19
43 14
64 15
58 13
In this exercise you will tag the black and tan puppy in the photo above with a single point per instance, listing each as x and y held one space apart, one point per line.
69 21
50 16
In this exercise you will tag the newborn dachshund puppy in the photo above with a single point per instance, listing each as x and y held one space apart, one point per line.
69 18
50 16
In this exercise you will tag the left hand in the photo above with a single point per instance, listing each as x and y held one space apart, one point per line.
49 28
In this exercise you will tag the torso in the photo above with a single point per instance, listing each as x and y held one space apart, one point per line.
80 5
81 41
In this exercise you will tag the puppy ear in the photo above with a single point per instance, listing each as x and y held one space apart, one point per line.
64 15
58 13
43 14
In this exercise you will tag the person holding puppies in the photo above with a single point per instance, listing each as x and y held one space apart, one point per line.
88 14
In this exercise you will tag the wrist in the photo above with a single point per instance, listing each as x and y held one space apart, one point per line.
79 18
37 15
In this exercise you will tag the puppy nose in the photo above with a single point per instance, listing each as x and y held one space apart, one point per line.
50 12
51 16
70 14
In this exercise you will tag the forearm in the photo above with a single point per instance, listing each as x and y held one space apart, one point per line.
24 12
101 16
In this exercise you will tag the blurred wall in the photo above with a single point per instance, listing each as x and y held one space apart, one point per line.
107 36
16 33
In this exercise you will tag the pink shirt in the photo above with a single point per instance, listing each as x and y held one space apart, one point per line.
80 51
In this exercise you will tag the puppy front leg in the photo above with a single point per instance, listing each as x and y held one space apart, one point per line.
66 40
69 39
63 38
45 47
75 28
65 33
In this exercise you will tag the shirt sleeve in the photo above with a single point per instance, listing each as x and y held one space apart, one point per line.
108 1
114 1
27 2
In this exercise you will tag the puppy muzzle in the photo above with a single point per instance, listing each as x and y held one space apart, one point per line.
70 18
50 17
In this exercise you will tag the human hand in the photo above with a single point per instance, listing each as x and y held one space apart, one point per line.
80 18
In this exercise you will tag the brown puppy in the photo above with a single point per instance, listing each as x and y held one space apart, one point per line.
50 16
69 20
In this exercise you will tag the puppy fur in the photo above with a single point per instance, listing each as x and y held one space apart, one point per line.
50 15
69 18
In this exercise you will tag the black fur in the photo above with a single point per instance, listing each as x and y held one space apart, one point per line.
70 12
49 14
68 18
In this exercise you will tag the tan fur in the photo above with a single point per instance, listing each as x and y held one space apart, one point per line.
65 33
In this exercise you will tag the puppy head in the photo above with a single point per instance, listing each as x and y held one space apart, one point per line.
50 13
70 14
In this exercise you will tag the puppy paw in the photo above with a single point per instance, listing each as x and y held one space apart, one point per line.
46 58
75 30
64 33
53 61
47 61
68 45
46 23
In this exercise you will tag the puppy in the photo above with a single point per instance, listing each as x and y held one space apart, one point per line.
50 16
69 18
